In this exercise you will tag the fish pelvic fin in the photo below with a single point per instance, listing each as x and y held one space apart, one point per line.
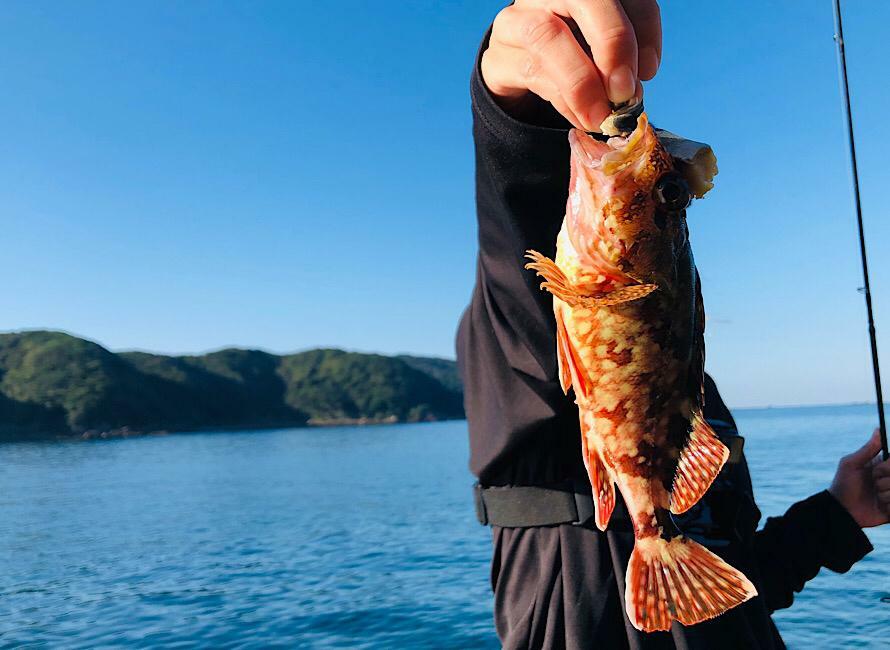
700 463
601 483
556 282
571 369
563 355
679 580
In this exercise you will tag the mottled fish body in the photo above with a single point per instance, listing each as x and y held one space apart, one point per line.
630 342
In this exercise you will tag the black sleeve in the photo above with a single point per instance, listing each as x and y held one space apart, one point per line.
522 428
791 549
522 178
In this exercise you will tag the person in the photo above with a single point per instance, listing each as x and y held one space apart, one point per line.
545 66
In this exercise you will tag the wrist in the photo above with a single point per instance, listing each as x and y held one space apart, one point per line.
837 493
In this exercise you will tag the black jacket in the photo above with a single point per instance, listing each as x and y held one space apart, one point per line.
524 430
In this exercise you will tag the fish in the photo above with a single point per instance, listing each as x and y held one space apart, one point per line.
630 343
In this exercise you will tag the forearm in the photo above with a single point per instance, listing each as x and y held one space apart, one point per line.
521 188
790 550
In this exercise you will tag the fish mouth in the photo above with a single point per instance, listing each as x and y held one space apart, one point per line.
609 190
616 154
623 119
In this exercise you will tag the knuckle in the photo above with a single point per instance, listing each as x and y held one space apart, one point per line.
501 23
530 68
541 29
576 87
616 37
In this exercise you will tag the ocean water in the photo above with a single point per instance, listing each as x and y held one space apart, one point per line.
323 538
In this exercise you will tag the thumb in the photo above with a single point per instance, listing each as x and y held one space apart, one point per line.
869 450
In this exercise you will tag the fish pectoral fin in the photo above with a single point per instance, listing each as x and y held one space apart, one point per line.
679 579
700 462
620 295
556 282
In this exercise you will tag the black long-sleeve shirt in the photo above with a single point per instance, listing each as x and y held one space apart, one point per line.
524 430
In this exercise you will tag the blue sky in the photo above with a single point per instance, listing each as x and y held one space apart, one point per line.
180 177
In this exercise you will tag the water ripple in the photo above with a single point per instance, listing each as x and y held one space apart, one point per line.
331 538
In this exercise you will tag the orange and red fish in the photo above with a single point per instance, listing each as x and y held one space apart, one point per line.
630 341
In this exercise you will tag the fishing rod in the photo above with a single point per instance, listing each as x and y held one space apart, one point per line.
848 113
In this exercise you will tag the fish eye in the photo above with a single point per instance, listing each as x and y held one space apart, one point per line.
672 192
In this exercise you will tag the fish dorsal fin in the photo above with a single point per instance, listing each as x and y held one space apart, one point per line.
700 461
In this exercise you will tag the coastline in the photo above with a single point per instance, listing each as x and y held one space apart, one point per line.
13 436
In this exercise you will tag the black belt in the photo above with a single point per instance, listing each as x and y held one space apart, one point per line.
527 506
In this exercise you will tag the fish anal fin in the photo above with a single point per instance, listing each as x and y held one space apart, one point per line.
603 490
679 579
700 463
556 282
601 484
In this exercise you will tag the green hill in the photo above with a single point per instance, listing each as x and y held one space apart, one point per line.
54 384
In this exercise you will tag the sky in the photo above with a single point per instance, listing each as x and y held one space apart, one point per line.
184 176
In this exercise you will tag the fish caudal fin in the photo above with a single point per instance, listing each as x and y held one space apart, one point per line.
700 462
680 580
556 282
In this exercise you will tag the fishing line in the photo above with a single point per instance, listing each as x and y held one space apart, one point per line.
848 113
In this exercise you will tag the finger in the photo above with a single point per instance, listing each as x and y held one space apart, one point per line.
612 41
517 73
503 70
864 454
557 56
884 497
645 17
543 87
881 471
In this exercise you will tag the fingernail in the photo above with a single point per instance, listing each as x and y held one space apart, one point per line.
648 63
621 85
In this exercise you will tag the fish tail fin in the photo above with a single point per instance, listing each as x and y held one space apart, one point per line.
681 580
700 462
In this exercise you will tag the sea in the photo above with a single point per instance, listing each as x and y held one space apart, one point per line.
348 537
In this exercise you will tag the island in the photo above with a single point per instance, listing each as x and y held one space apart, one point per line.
54 385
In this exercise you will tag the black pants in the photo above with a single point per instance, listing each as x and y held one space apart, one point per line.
563 587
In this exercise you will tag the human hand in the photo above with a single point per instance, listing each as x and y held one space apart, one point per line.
577 54
862 484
